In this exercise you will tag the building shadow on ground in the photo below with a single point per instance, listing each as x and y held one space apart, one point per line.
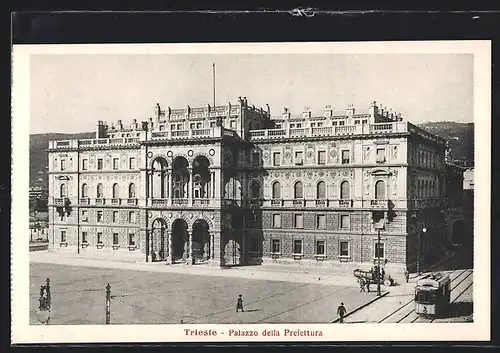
458 310
252 310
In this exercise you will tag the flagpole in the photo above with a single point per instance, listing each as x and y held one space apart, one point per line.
213 72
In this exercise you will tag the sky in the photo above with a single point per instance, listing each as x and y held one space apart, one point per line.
70 93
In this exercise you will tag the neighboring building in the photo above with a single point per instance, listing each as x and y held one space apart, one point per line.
469 179
38 197
229 185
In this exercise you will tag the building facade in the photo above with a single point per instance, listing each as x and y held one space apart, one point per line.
230 185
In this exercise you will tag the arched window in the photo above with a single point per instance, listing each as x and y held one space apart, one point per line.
345 192
321 190
276 190
298 190
116 194
255 190
131 191
100 191
63 190
380 190
85 191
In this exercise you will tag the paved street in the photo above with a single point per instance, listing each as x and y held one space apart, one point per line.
151 297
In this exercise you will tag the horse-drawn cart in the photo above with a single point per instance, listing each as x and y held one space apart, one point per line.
371 276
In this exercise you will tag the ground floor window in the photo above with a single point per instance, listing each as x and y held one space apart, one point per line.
345 221
297 246
275 246
320 221
63 236
84 237
115 238
99 238
344 249
276 220
131 239
320 247
379 250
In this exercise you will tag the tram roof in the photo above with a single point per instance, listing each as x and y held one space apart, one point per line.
433 280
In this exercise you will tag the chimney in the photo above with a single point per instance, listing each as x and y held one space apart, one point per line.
328 111
100 130
245 100
373 109
119 125
306 113
286 114
268 109
350 109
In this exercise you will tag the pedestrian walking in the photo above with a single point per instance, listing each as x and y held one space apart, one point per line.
383 274
362 285
407 276
368 286
341 312
239 304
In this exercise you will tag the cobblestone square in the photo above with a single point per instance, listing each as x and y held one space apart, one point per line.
140 297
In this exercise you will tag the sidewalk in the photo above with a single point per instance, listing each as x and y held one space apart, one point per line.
266 272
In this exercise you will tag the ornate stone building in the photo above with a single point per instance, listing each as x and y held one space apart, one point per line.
229 185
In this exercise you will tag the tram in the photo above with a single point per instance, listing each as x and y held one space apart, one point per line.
432 295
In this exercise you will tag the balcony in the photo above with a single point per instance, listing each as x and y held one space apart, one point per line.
321 203
298 203
345 203
159 202
179 202
201 202
61 201
131 202
84 201
276 202
116 202
100 201
378 203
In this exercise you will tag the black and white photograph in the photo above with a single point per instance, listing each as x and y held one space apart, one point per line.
251 192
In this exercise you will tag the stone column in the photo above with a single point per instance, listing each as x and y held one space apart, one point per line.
170 185
190 187
206 247
212 244
190 249
169 247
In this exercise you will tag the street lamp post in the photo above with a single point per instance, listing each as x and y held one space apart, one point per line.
424 230
378 268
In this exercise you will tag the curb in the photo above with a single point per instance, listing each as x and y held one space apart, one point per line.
361 306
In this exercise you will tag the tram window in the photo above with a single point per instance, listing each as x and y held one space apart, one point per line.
425 296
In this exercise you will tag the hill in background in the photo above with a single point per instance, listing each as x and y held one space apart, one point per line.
459 135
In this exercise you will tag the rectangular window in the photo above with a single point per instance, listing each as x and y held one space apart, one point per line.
356 122
276 246
320 247
379 250
298 221
292 126
212 124
297 246
85 217
346 159
345 221
321 157
255 158
84 237
115 163
63 164
131 163
99 238
276 159
99 216
99 163
276 220
334 123
179 126
63 236
115 238
313 124
299 125
344 248
162 127
321 221
198 125
365 121
85 164
299 157
131 239
341 123
115 216
232 124
172 127
254 245
131 217
320 124
380 155
192 126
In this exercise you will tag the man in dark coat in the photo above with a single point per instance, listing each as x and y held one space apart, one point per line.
341 310
239 304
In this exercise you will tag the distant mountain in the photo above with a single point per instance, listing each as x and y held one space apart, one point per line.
39 158
460 137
